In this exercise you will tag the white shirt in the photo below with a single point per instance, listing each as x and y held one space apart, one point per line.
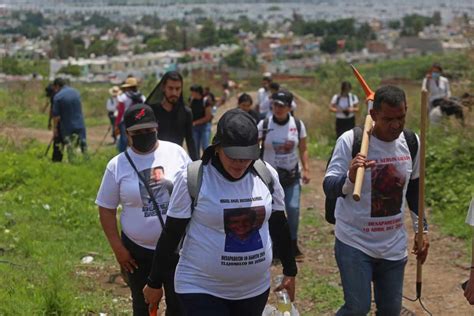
438 90
374 225
344 103
111 104
121 186
263 100
127 101
214 260
281 143
470 214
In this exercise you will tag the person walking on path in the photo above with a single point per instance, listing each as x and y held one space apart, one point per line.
263 94
371 240
174 118
68 121
111 107
225 259
130 96
245 104
283 140
202 117
437 85
157 164
345 105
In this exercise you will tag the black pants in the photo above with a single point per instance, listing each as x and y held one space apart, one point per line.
137 280
343 125
112 123
58 145
208 305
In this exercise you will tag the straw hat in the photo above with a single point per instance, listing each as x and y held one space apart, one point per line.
114 91
130 82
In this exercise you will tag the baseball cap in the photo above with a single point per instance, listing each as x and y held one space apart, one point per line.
139 116
237 134
283 97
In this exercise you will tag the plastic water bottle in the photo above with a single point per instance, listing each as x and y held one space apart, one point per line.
283 299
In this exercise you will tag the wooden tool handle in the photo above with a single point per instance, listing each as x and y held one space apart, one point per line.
421 189
364 149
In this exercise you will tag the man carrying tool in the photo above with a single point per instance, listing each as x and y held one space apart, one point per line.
370 234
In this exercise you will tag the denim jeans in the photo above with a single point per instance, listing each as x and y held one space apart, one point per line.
123 141
292 206
357 271
201 135
207 305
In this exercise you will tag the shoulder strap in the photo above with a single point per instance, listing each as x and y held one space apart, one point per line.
357 140
150 193
298 127
263 173
412 143
264 135
194 181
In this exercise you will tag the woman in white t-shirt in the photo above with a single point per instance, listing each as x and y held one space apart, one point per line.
284 144
344 105
224 265
143 190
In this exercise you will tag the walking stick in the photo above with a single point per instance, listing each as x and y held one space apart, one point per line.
103 139
364 148
421 195
49 146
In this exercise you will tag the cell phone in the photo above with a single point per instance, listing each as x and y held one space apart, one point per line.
464 285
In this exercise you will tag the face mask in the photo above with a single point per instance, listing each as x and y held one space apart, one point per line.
435 75
144 142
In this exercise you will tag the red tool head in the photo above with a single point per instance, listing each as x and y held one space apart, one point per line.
369 94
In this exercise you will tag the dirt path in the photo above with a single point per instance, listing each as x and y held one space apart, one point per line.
443 271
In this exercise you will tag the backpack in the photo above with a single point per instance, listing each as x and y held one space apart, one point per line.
265 131
135 96
195 178
330 203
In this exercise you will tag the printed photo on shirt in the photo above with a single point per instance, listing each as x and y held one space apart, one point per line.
387 190
160 187
282 148
242 228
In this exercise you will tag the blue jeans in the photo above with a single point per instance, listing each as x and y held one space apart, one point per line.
123 141
292 206
357 271
201 135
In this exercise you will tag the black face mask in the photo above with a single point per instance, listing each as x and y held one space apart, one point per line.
144 142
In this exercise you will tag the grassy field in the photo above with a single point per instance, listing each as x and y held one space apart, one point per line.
48 219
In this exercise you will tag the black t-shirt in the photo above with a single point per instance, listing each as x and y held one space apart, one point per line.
198 108
175 126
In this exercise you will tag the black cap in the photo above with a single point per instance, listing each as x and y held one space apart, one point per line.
283 97
139 116
237 134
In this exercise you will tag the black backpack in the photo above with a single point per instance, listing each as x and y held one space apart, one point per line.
330 203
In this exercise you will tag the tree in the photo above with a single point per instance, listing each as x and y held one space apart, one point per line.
208 34
240 59
329 44
436 19
73 70
394 24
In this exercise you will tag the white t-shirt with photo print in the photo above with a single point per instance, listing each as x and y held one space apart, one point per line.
227 251
122 186
374 225
281 143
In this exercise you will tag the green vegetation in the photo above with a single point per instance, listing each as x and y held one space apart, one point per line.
48 222
25 103
241 60
15 66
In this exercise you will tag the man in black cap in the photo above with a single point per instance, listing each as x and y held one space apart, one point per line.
175 120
